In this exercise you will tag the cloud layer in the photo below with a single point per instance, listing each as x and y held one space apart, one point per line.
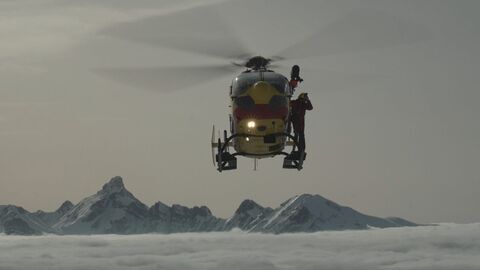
447 246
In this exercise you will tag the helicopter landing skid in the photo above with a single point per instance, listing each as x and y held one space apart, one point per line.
294 160
224 160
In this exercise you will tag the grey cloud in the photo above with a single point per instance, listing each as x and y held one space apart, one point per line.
447 246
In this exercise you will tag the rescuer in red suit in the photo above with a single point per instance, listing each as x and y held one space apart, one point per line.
297 110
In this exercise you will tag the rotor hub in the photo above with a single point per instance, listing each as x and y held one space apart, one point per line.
257 62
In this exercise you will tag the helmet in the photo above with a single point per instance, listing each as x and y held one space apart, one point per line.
302 96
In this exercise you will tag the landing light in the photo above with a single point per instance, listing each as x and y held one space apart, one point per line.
247 139
251 124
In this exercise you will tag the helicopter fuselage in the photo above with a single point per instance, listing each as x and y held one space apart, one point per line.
260 111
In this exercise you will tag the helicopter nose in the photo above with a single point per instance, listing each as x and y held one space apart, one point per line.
262 92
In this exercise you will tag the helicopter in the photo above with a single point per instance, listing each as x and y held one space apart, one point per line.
260 118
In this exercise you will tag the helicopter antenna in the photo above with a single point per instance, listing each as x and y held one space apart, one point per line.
255 164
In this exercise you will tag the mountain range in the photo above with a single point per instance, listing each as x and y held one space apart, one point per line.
114 210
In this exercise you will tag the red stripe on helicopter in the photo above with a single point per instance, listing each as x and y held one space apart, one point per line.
261 111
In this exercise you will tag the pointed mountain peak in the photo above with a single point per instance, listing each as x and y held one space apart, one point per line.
201 211
247 205
115 184
160 205
158 208
65 207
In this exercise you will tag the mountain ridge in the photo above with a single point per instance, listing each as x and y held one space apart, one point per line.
114 210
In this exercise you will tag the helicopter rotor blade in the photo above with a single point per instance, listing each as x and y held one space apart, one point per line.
359 30
237 64
277 58
200 30
212 145
165 79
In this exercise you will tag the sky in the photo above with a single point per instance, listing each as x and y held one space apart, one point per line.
394 85
444 247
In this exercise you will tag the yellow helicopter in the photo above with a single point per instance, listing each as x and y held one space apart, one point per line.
260 111
260 118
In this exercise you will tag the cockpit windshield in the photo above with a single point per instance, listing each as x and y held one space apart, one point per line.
245 80
278 81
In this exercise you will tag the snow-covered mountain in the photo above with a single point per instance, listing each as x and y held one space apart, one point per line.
115 210
310 213
50 218
247 216
16 220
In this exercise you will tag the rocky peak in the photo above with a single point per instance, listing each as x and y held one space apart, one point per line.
65 207
202 211
159 206
114 185
159 210
248 215
246 206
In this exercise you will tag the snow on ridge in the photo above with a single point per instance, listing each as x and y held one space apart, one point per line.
279 211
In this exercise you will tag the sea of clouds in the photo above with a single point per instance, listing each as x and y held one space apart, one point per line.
446 246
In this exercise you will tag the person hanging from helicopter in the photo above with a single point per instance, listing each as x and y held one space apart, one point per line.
298 107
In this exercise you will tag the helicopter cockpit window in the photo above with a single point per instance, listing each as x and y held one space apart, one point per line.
279 82
241 83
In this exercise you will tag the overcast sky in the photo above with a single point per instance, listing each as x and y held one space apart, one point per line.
394 84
